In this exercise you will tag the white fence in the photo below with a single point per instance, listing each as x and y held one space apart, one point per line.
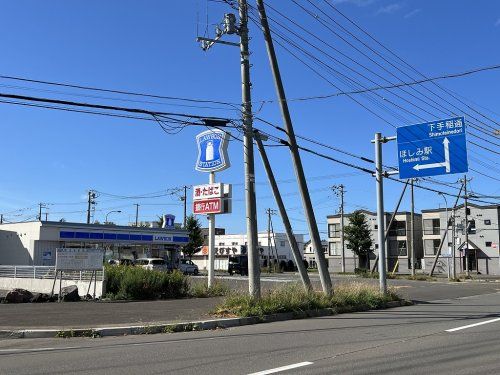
40 279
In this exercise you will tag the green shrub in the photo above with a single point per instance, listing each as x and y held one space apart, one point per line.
293 298
126 282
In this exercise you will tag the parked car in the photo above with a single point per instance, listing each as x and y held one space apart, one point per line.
186 266
238 264
159 264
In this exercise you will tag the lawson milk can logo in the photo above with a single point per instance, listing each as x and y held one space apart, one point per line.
212 151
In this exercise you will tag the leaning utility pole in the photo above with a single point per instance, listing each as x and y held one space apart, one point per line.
253 254
324 275
284 216
340 190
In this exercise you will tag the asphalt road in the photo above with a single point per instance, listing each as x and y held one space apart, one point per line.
407 340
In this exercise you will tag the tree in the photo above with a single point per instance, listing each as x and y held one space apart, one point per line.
357 234
193 227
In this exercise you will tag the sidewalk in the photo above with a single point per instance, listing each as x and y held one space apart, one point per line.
102 314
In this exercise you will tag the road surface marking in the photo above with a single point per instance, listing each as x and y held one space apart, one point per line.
473 325
284 368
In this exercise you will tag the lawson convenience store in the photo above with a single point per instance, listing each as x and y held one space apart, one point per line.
35 242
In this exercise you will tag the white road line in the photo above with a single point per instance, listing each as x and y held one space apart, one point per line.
473 325
284 368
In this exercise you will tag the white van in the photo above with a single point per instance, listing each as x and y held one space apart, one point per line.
153 264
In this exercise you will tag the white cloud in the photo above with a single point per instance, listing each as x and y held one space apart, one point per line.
414 12
389 9
358 3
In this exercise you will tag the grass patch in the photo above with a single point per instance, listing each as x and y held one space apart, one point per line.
293 298
137 283
201 290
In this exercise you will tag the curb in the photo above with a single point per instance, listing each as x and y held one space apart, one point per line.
202 325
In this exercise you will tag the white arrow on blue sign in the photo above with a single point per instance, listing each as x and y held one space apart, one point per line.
432 148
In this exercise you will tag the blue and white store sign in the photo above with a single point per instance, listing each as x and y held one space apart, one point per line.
212 151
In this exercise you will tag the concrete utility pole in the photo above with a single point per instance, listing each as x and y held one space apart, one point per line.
185 205
443 236
284 216
1 218
340 191
380 212
229 27
453 260
91 203
466 248
136 214
269 212
412 218
324 275
40 206
253 254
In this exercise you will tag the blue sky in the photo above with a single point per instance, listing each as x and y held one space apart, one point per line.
149 46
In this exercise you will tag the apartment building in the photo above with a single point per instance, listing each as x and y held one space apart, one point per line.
398 241
482 249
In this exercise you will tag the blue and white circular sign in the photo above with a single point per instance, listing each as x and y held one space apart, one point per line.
212 151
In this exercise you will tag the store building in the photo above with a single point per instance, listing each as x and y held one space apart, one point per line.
35 243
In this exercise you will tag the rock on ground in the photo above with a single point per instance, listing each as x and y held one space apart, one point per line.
18 296
70 294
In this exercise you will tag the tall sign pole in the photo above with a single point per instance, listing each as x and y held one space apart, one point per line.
209 199
251 206
324 275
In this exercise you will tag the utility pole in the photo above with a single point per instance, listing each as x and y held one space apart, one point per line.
40 206
1 218
466 248
136 214
253 254
412 218
324 275
339 190
269 212
453 260
46 216
284 216
91 202
185 205
380 212
229 27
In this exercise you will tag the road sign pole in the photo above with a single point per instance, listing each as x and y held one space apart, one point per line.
380 213
211 240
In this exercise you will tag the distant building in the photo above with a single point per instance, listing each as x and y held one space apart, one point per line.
218 232
309 253
35 242
398 239
484 238
236 244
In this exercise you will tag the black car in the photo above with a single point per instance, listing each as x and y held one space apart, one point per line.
238 264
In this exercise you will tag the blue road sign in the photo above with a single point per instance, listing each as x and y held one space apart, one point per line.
212 151
432 148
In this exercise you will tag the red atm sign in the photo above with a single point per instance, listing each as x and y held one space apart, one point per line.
208 206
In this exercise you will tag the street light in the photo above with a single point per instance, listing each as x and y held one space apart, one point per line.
110 212
448 258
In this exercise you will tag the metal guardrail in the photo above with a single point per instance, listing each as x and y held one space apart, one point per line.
46 272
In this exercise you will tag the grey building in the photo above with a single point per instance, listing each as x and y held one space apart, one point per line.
483 244
398 241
